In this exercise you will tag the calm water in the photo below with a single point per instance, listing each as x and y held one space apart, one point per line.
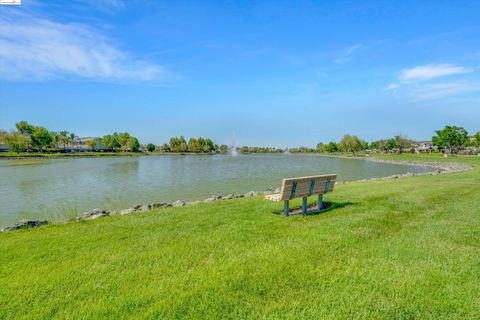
64 187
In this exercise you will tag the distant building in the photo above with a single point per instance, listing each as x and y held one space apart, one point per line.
3 148
80 145
423 146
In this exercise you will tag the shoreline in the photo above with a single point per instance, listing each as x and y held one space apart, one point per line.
437 169
54 156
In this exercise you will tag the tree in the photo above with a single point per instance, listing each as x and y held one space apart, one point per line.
41 138
63 138
178 144
391 145
91 144
244 149
208 145
111 141
25 128
223 148
15 140
123 140
320 147
330 147
151 147
132 145
451 138
194 145
476 139
403 142
165 147
351 143
375 145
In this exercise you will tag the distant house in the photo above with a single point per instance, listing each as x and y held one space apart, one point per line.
3 148
423 146
80 145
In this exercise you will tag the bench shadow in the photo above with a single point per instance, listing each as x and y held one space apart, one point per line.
312 208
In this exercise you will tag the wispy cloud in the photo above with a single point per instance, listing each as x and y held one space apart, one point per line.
442 90
36 48
422 82
346 55
431 71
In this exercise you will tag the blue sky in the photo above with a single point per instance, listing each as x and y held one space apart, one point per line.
280 73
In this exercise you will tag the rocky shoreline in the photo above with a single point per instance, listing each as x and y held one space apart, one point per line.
437 168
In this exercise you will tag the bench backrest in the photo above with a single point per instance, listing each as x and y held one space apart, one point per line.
307 186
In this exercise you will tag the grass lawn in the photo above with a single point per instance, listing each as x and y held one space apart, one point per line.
406 249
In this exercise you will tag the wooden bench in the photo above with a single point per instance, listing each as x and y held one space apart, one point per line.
304 187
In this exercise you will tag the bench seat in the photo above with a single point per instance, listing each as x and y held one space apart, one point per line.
303 187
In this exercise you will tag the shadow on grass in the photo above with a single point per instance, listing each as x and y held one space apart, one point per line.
312 208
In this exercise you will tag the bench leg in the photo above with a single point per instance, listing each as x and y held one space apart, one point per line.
320 201
286 208
304 205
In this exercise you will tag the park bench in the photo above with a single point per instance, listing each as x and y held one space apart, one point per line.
304 187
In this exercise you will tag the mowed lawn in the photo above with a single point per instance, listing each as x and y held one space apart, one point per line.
406 248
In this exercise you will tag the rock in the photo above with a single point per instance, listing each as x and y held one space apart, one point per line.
239 196
95 213
137 207
278 190
228 196
22 224
212 198
127 211
146 207
178 203
160 205
250 194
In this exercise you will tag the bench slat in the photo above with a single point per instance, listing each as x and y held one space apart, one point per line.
307 186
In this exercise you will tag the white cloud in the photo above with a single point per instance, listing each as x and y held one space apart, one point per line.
393 86
442 90
347 53
352 49
421 82
431 71
33 48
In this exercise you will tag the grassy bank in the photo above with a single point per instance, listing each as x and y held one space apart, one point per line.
406 248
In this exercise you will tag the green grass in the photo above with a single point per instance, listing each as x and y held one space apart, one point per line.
399 249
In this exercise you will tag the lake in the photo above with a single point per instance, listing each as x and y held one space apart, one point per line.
57 188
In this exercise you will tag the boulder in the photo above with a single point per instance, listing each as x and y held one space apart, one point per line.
127 211
228 196
178 203
22 224
146 207
250 194
95 213
212 198
160 205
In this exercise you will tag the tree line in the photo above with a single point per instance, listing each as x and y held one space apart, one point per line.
449 139
28 137
194 145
